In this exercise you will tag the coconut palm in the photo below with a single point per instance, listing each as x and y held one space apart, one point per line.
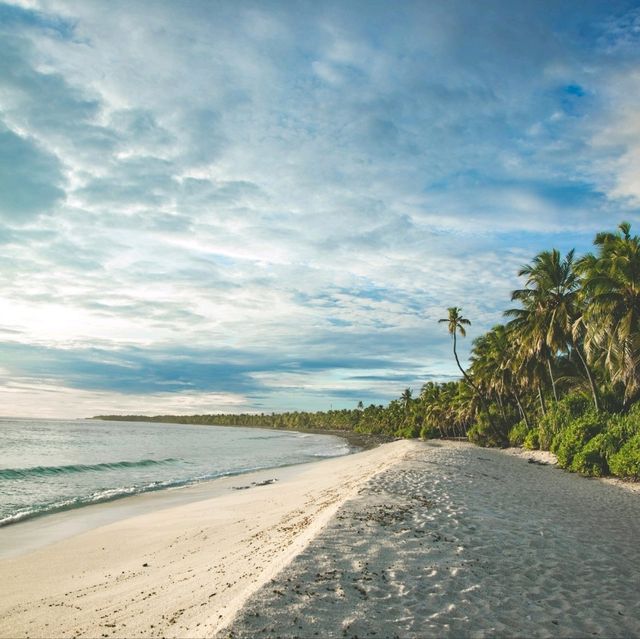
405 398
549 312
456 324
493 363
611 320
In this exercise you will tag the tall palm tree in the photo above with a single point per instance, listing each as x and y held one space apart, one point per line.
405 398
612 306
493 363
432 405
549 312
456 324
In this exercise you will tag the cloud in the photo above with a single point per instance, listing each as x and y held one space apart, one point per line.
42 398
243 378
279 204
31 179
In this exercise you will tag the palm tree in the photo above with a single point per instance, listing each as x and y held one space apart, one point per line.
612 301
456 324
549 312
430 398
493 364
405 398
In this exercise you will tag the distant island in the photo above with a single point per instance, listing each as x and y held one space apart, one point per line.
372 420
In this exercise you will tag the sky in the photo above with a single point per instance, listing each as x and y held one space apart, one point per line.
241 206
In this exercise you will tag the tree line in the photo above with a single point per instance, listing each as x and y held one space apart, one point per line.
562 373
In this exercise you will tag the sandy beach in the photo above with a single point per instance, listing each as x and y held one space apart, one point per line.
182 571
463 542
410 539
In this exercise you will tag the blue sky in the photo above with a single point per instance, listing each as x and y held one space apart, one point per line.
256 206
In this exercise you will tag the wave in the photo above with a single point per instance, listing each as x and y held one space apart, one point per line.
339 450
48 471
112 494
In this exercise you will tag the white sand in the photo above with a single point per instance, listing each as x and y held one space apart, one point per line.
459 541
548 458
534 456
182 571
410 540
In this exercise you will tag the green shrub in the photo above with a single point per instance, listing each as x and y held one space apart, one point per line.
483 434
592 459
569 441
478 435
410 430
559 415
620 429
429 431
611 399
634 410
532 440
518 433
626 462
550 425
576 404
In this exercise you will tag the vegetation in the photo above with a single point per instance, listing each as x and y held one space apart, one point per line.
562 374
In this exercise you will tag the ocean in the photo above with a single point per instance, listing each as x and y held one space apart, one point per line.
48 466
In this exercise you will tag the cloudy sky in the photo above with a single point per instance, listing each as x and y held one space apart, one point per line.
252 206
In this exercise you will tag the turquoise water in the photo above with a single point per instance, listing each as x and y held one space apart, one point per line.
49 466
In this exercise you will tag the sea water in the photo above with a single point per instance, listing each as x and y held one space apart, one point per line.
51 465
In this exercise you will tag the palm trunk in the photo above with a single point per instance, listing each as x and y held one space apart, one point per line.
501 405
543 406
592 384
522 411
553 381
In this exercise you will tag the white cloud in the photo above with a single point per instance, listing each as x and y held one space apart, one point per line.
314 182
45 399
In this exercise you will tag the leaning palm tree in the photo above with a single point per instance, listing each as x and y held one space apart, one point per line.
456 324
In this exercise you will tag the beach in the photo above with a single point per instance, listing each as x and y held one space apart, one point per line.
182 571
410 539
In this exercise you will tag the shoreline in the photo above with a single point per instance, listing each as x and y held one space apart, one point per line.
37 532
42 528
184 570
410 538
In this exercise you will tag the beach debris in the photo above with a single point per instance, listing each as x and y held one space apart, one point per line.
266 482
